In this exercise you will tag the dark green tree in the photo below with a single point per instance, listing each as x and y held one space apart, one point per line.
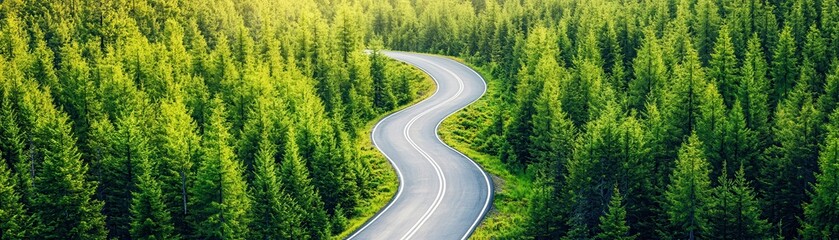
219 201
150 218
62 195
688 195
734 211
784 66
613 223
13 218
791 161
820 220
724 69
273 209
297 183
178 147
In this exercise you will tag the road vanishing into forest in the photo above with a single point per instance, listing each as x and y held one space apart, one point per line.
442 194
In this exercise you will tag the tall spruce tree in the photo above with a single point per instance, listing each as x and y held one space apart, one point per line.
273 211
150 219
613 223
724 69
820 218
62 195
688 195
219 199
734 211
784 65
299 185
13 219
792 161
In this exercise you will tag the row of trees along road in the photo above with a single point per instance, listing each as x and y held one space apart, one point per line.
158 119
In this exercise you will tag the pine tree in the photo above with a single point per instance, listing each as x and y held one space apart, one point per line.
706 24
553 143
734 212
13 219
754 90
123 152
273 210
298 185
62 198
613 223
792 160
784 65
820 218
149 217
178 146
814 52
742 144
711 129
724 67
827 102
219 200
519 129
650 72
687 195
612 151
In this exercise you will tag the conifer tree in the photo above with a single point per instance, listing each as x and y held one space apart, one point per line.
124 151
62 196
553 143
298 185
613 223
613 151
820 220
13 219
754 89
519 129
724 67
792 161
706 25
828 101
150 218
219 200
734 212
784 65
688 194
178 146
649 72
711 129
273 210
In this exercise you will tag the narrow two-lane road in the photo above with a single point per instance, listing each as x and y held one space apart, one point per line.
442 193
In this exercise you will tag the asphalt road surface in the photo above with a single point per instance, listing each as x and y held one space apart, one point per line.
442 193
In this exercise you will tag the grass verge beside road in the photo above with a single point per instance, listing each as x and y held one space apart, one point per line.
513 188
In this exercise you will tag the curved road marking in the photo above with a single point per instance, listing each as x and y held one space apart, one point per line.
438 170
392 163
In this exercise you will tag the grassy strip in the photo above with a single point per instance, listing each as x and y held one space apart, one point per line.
386 182
513 188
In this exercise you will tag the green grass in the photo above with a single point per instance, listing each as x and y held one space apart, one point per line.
386 182
513 187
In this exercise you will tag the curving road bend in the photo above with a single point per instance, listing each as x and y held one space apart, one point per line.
442 193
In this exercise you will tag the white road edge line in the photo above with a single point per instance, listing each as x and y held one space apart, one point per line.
392 163
436 131
436 166
401 186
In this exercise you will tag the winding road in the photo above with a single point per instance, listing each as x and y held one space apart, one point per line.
442 194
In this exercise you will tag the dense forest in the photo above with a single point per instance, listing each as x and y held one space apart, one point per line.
671 119
160 119
238 119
